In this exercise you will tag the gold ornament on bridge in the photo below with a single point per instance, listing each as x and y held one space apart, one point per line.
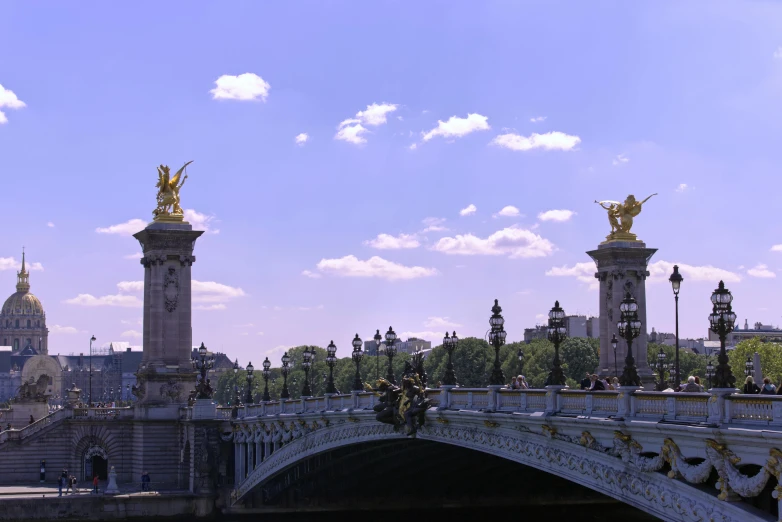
620 216
168 208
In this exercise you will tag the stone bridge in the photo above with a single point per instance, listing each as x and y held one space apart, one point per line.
694 456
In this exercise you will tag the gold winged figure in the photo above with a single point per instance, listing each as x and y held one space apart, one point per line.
168 186
621 215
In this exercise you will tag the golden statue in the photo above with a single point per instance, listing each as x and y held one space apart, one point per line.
620 216
168 208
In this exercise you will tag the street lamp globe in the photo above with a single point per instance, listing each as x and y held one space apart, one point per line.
676 280
236 366
202 350
748 366
357 355
722 321
331 360
390 353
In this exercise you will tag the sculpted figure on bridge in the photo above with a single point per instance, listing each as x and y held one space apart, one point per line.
405 405
168 207
34 391
621 215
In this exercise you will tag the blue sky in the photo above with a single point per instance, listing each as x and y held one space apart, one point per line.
626 97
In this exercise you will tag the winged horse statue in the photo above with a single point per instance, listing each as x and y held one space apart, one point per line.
168 191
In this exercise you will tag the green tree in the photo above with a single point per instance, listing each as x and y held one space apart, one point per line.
689 363
579 356
770 359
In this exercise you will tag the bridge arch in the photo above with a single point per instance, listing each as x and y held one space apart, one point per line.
594 468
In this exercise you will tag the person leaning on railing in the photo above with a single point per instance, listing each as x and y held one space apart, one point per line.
750 386
768 388
692 386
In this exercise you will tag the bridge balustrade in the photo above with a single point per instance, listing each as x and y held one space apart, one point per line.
753 409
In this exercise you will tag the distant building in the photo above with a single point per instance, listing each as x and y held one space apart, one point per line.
766 333
409 346
576 325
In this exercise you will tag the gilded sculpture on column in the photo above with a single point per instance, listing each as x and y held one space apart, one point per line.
168 208
621 215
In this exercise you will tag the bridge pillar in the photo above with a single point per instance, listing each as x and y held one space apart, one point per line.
621 268
625 407
552 398
166 375
719 408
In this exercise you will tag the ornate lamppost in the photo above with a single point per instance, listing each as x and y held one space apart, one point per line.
203 364
676 282
331 360
556 334
390 352
450 343
721 320
306 362
497 339
709 371
249 397
89 402
357 355
661 367
614 342
748 367
629 328
266 373
378 339
286 360
520 357
235 409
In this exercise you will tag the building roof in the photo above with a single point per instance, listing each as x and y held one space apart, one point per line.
22 302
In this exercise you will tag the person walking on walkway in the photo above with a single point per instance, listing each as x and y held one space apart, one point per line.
145 481
60 480
95 484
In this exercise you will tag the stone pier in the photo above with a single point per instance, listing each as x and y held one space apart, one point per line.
621 268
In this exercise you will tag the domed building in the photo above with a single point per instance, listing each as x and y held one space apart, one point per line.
23 321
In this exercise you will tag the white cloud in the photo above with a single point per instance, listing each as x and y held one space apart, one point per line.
457 127
10 263
137 255
584 272
130 321
659 272
247 86
127 228
620 160
8 100
469 209
131 333
513 241
433 224
440 322
435 337
761 271
389 242
260 333
212 292
351 133
311 275
200 221
509 211
130 286
413 146
777 55
537 119
682 187
376 113
219 306
302 138
548 141
50 224
352 129
351 266
130 301
556 215
63 329
308 308
775 248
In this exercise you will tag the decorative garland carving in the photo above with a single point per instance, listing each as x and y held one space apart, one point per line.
692 473
171 289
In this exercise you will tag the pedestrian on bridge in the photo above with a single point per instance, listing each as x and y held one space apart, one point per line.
750 386
95 484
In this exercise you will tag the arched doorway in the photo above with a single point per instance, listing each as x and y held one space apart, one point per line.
96 462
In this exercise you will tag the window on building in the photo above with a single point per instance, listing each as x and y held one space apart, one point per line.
28 323
38 323
16 323
16 345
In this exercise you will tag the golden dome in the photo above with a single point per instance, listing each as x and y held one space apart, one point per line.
22 303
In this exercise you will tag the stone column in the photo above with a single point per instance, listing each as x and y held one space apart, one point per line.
621 268
166 375
237 466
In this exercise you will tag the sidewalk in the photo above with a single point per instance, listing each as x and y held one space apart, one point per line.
48 491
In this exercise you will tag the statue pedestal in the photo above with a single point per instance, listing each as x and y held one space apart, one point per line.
621 268
166 375
112 488
204 409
